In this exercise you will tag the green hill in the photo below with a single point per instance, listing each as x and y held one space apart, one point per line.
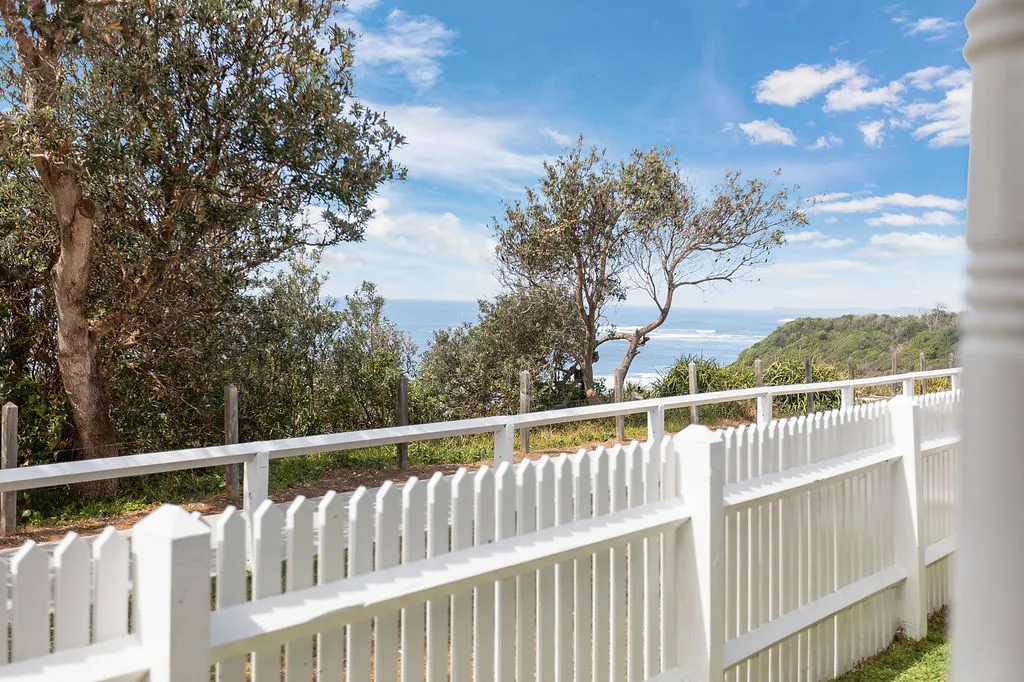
869 339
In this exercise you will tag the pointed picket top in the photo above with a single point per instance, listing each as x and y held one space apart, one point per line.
698 433
71 562
30 620
170 520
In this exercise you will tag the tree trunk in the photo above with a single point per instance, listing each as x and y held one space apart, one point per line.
76 342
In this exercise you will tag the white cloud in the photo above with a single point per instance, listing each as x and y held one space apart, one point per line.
361 5
822 268
807 236
816 240
925 79
559 138
937 218
480 151
831 219
789 88
410 45
833 243
898 199
854 94
873 134
934 27
423 233
920 244
947 122
767 132
826 142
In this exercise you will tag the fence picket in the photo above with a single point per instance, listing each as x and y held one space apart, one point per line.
360 561
618 570
266 581
414 502
229 548
388 518
110 586
30 621
601 467
72 572
635 572
298 654
505 617
330 519
563 573
526 584
438 496
545 577
483 597
462 603
583 572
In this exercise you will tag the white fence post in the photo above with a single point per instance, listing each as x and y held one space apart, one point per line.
846 397
656 426
954 381
504 444
908 387
700 554
909 503
764 409
256 483
171 557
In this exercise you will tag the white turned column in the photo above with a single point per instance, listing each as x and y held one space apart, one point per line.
988 602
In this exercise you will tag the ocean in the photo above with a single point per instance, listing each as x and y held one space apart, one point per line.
718 334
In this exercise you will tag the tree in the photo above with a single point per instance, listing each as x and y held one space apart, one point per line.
598 231
161 152
473 370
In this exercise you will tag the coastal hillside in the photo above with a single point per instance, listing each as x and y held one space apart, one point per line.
869 339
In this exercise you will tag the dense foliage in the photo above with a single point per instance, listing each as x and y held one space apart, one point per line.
869 339
154 156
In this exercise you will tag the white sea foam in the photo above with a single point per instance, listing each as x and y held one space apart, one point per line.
645 379
787 319
702 335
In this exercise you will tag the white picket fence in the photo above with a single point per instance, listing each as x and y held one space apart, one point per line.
785 551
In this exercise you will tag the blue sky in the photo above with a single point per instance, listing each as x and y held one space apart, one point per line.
865 101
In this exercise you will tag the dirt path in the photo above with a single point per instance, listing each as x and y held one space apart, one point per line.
339 479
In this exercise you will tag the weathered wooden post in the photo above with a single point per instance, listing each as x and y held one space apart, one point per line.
231 437
9 460
923 366
987 594
893 373
757 373
620 420
809 379
694 411
525 384
402 413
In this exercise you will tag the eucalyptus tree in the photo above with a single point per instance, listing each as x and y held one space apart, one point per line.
159 153
603 232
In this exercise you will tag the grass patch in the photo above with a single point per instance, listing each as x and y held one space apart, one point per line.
907 661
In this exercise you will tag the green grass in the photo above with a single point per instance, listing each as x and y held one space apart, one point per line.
906 661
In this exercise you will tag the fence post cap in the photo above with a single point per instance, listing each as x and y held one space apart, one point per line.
170 520
698 433
9 405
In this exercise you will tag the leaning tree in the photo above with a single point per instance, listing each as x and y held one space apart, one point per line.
600 231
162 152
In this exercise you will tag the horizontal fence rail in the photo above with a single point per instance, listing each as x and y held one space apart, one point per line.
782 551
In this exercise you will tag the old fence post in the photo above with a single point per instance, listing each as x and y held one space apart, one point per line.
694 412
171 556
525 385
757 373
849 367
402 412
620 420
231 436
9 460
892 387
700 554
908 525
923 365
808 379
